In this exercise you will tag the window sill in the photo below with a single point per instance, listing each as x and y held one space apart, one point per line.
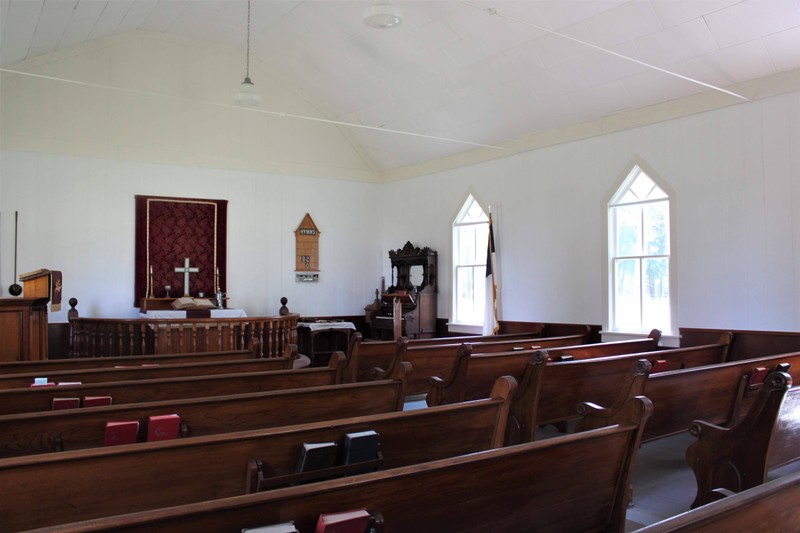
667 341
466 329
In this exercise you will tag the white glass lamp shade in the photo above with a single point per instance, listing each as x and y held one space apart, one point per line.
247 95
382 16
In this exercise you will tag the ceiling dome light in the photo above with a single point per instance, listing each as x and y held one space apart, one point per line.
247 95
382 16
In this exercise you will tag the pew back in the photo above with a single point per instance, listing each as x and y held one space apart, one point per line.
605 349
473 375
575 483
33 433
784 446
438 360
24 400
56 365
371 354
745 344
158 371
150 476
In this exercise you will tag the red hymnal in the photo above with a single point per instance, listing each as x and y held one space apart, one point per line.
66 403
96 401
43 385
758 376
662 365
163 427
347 522
121 432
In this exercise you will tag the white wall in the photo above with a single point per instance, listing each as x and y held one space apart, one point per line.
74 157
735 171
77 216
736 174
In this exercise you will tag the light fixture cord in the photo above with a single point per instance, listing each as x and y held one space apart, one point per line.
247 67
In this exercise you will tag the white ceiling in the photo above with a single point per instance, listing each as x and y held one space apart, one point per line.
451 69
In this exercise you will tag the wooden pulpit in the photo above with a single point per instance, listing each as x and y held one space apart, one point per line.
23 321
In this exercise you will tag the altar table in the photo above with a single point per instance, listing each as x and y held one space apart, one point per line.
318 340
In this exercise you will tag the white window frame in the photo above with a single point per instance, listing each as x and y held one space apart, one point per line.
634 169
479 266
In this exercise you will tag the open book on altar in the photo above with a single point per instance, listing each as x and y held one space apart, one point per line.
187 302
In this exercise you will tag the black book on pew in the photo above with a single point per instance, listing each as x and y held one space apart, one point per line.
316 456
361 446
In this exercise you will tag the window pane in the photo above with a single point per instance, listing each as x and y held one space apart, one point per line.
627 303
656 228
481 242
466 245
642 186
474 214
628 230
655 297
470 297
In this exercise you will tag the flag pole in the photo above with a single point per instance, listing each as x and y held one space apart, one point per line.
491 325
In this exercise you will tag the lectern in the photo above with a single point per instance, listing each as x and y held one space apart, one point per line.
23 321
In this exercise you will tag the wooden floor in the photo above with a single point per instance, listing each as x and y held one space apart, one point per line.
663 483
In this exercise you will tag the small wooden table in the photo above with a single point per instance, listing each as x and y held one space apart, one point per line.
318 340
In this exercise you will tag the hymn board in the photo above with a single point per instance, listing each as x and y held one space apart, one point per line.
306 250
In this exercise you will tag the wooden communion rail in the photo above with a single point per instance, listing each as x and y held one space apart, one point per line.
100 337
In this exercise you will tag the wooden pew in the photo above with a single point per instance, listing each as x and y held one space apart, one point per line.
524 416
364 357
745 344
158 371
57 365
604 349
568 383
740 457
768 508
35 433
150 476
573 483
706 393
438 360
473 374
25 400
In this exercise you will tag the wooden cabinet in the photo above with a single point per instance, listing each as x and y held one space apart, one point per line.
23 329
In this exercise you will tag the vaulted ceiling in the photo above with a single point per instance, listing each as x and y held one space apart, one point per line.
464 74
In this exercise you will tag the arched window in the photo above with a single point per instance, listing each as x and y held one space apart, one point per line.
470 235
639 240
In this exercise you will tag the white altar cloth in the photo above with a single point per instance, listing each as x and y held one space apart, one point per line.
181 313
321 326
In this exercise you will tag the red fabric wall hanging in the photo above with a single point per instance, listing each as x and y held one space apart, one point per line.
171 229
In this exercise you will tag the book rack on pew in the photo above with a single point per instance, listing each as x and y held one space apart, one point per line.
258 480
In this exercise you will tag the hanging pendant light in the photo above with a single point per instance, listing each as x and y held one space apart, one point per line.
247 95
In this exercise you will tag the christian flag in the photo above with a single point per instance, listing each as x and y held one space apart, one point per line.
490 324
